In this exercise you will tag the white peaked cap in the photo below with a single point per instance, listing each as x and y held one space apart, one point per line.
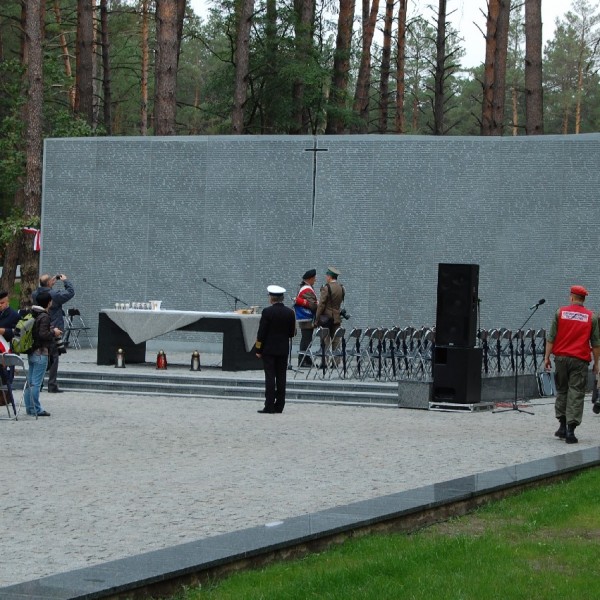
276 290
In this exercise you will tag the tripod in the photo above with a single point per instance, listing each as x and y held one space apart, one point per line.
515 405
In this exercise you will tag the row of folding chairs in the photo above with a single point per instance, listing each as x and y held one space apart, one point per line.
372 353
505 351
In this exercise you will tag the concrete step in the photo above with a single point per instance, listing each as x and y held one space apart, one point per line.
167 384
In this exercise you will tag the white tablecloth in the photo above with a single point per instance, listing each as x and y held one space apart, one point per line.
143 325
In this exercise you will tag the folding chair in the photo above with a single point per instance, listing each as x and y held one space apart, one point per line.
321 354
337 354
373 344
390 353
312 353
354 353
74 327
8 365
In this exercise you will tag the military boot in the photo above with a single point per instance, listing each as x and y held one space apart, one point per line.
570 437
561 432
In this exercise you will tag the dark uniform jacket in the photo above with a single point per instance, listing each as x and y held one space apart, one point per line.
330 303
277 326
8 320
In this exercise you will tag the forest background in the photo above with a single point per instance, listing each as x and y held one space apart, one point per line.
72 68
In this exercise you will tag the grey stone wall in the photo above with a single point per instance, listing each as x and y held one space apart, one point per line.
149 218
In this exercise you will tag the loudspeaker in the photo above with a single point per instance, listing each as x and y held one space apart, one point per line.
457 375
456 316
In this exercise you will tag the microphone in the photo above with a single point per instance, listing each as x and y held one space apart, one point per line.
539 303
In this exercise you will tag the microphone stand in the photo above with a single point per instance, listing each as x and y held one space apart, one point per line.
228 294
515 405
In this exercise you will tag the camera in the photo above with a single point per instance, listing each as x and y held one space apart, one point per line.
345 314
60 346
59 276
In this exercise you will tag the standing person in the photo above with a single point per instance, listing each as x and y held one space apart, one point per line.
44 336
306 308
574 336
8 320
8 317
331 299
59 297
276 328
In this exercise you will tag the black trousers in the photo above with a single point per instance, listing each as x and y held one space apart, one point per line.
52 370
275 379
306 339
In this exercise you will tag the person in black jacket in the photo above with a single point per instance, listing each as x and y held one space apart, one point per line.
44 336
9 318
277 327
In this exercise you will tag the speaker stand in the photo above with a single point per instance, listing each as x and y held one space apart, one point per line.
515 404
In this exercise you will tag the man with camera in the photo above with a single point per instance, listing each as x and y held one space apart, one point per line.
329 311
59 297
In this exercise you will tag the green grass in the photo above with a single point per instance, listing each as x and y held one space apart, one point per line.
542 544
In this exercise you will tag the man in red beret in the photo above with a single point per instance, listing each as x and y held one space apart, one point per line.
574 336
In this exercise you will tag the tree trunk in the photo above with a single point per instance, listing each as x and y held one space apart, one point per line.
62 40
84 62
144 68
384 79
534 106
106 73
401 67
363 80
169 24
304 23
439 99
242 64
33 143
341 69
499 90
271 46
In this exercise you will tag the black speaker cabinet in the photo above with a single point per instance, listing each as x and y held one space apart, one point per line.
456 316
457 375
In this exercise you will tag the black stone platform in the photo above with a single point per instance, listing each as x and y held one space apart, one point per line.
164 571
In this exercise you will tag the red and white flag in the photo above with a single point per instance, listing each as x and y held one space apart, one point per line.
37 243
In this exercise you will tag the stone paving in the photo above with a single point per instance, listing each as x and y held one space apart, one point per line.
108 476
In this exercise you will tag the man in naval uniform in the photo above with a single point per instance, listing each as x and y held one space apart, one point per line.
276 328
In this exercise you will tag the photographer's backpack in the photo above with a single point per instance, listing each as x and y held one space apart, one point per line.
22 340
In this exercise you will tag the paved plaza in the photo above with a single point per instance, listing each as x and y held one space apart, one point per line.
112 475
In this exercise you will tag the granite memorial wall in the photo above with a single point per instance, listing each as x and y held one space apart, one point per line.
148 218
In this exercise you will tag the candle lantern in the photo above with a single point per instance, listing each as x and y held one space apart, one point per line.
161 360
195 362
120 359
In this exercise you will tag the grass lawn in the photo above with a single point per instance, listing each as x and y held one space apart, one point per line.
542 544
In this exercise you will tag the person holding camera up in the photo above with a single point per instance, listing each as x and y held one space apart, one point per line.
59 297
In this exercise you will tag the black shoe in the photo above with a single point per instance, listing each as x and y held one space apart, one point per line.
44 413
596 408
264 411
56 391
561 432
570 437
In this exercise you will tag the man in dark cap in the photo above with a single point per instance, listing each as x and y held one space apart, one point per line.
305 306
574 336
276 328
